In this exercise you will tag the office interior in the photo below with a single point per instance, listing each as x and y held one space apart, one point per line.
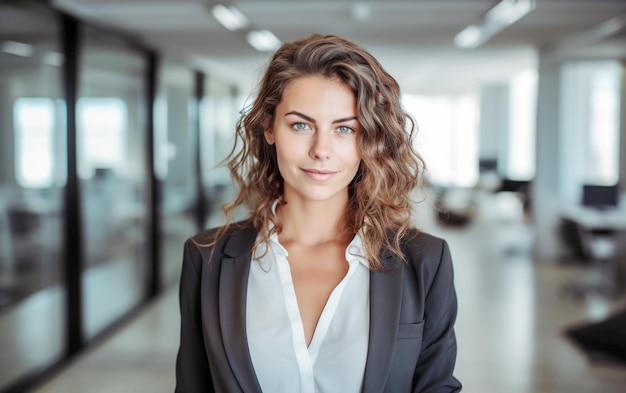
112 130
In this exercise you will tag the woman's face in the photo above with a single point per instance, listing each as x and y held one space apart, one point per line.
315 132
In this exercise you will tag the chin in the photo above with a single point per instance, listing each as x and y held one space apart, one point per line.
320 196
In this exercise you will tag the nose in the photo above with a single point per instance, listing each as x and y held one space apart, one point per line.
321 148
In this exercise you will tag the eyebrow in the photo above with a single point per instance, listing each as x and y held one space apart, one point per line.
312 120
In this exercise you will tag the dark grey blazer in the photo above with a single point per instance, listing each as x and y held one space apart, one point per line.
412 346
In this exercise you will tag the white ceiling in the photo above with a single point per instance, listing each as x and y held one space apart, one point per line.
412 38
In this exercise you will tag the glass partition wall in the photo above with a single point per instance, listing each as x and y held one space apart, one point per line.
32 182
111 159
218 115
175 155
101 142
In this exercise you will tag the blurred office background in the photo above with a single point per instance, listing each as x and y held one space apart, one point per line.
114 114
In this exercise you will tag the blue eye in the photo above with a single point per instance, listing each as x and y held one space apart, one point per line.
345 129
300 126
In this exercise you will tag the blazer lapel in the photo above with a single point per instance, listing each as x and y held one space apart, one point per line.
235 268
385 302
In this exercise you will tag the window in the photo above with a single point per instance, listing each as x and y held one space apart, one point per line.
521 150
447 137
34 142
603 137
103 121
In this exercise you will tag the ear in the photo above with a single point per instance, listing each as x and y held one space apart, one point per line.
269 136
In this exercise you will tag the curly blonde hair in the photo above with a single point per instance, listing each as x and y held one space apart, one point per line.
379 196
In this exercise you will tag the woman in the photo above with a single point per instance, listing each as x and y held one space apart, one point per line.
325 287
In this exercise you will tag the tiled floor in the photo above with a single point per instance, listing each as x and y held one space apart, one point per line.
512 312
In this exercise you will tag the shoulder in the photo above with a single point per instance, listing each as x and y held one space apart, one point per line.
418 243
216 241
426 254
210 235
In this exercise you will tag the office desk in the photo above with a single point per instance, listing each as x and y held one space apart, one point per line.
595 219
598 236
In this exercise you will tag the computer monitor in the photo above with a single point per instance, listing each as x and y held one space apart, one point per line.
487 165
600 197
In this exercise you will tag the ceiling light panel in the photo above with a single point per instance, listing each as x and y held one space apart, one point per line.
230 17
263 40
502 15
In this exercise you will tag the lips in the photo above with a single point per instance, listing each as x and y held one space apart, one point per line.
319 175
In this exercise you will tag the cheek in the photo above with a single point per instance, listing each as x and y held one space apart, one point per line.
280 162
286 156
351 163
352 156
291 149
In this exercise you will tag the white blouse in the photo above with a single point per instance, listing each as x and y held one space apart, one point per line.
335 358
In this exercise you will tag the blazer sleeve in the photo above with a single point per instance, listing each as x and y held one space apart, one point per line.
192 366
435 367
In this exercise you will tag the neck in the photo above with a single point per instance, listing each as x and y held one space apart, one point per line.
312 223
